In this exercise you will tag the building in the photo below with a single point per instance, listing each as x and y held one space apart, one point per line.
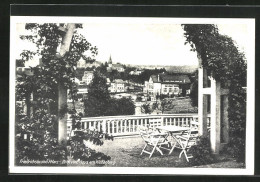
88 77
117 86
112 66
82 64
163 84
136 72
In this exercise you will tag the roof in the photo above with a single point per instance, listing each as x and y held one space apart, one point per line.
88 72
163 78
110 60
175 78
156 78
117 66
82 86
118 81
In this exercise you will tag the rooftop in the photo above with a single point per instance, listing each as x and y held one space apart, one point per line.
164 78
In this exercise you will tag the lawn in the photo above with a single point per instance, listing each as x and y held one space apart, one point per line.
125 152
181 105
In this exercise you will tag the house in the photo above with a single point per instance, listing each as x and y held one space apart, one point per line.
164 84
82 90
82 64
88 77
24 70
118 85
112 66
136 72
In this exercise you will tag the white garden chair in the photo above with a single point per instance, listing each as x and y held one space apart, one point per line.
155 140
185 141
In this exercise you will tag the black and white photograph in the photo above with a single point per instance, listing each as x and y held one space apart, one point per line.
132 95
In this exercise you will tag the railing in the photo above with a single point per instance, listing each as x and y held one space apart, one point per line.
128 125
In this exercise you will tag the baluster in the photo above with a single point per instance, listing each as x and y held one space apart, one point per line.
99 122
128 125
94 125
85 125
104 128
162 121
108 126
133 125
117 126
125 123
113 126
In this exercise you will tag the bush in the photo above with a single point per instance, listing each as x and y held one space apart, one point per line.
78 150
201 152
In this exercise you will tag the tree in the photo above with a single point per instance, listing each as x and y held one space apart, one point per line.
99 103
36 133
98 98
146 108
123 106
221 57
163 105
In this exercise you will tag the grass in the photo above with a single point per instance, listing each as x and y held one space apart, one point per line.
125 152
181 105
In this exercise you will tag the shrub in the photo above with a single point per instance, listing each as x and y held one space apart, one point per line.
201 152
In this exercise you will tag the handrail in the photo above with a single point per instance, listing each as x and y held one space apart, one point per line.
129 124
138 116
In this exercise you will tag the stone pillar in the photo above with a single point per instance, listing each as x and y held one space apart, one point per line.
202 103
215 116
225 128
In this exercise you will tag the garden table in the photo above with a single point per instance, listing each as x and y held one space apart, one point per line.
173 131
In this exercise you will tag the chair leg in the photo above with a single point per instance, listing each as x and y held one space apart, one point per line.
172 148
181 153
158 149
152 152
143 149
186 156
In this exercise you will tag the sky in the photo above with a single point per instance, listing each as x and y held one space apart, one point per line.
143 42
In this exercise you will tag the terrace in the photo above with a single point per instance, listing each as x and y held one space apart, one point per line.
127 145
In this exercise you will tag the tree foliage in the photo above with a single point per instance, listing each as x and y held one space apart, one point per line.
99 103
146 108
40 90
163 105
221 56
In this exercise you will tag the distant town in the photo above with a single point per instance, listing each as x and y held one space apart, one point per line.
143 84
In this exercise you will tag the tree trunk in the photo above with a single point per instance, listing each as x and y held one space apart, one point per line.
62 92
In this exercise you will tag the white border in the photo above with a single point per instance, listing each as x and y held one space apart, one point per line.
249 170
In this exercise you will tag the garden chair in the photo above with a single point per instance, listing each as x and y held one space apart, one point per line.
155 140
154 123
194 124
185 141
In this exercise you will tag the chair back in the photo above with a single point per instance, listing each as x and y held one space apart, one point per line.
144 133
189 137
154 123
194 124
